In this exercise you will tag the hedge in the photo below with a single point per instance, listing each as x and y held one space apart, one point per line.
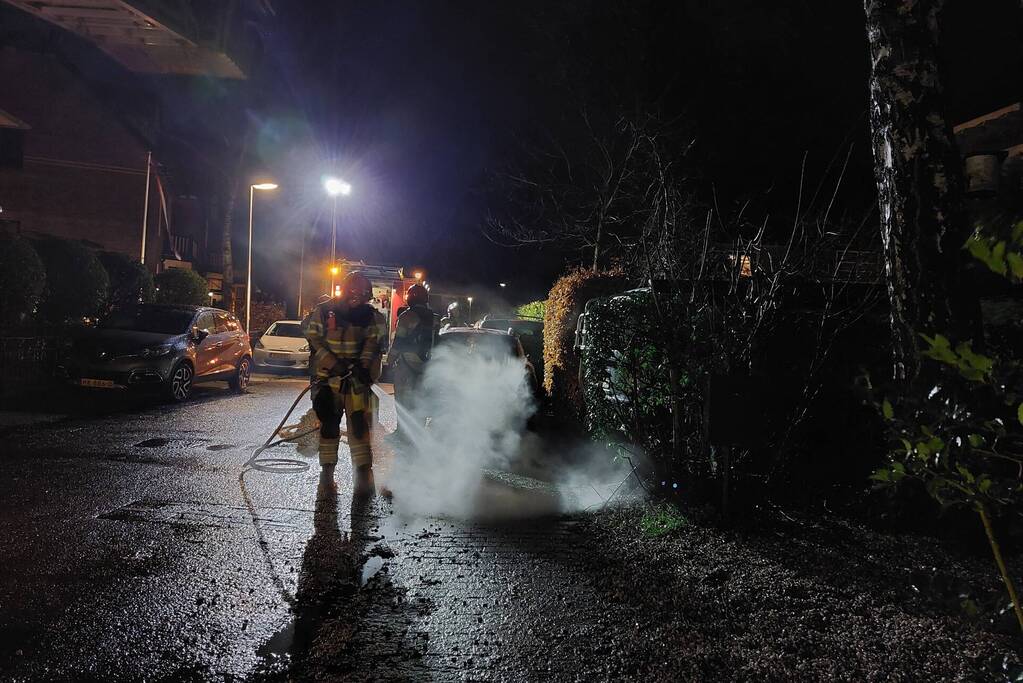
181 286
130 282
567 298
76 283
22 278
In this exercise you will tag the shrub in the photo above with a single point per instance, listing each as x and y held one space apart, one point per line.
534 309
76 283
130 282
957 428
561 363
181 286
264 314
22 278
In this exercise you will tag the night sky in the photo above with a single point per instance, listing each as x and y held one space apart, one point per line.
415 102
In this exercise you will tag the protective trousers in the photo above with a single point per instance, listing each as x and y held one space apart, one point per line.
330 405
407 387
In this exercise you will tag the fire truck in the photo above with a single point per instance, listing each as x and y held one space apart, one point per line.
389 286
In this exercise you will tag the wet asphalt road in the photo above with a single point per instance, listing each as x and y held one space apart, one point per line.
128 550
132 551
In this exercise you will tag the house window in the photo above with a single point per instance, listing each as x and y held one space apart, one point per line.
12 148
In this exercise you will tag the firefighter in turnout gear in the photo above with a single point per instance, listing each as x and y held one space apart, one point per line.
344 336
413 341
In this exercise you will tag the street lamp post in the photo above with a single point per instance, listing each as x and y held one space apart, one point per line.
301 274
334 187
248 282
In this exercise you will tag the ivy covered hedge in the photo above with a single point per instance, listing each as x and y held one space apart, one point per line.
564 305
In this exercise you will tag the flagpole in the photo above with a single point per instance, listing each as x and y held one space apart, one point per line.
145 209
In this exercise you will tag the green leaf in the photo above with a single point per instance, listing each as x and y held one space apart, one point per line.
898 471
979 248
965 474
881 475
984 484
1019 413
976 440
1017 232
1015 264
907 445
940 349
887 410
997 260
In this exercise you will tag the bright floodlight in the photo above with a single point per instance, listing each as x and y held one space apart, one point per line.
336 186
265 186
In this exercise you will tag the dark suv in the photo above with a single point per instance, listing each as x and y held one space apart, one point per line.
160 346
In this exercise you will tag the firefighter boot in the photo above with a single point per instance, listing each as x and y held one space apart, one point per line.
363 486
328 451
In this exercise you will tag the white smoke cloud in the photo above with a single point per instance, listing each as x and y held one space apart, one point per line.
477 459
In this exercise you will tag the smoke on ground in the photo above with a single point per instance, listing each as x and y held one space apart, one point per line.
477 458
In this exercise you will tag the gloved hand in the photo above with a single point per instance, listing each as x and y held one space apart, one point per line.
362 374
341 368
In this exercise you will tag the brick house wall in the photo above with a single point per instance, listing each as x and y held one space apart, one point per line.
83 171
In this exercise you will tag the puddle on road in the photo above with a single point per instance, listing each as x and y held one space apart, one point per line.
370 569
275 654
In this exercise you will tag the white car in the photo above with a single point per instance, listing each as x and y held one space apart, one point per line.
283 345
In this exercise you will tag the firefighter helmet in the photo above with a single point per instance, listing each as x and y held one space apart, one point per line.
356 288
417 294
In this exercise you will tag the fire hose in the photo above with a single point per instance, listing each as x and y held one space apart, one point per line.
284 465
277 466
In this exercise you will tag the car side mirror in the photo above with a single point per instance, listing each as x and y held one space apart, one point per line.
198 334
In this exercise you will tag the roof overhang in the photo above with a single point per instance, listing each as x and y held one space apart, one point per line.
997 131
12 122
135 39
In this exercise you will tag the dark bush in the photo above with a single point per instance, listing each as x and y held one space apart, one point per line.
181 286
76 283
130 282
22 279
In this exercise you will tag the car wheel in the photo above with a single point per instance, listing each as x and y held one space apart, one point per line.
179 386
240 381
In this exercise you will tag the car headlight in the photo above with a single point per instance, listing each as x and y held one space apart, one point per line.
304 349
157 351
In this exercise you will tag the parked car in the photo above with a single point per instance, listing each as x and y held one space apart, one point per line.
490 344
283 345
528 330
163 347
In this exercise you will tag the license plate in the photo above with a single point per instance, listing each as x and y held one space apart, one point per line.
281 356
99 383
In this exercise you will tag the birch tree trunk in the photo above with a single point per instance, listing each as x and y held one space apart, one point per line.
919 179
